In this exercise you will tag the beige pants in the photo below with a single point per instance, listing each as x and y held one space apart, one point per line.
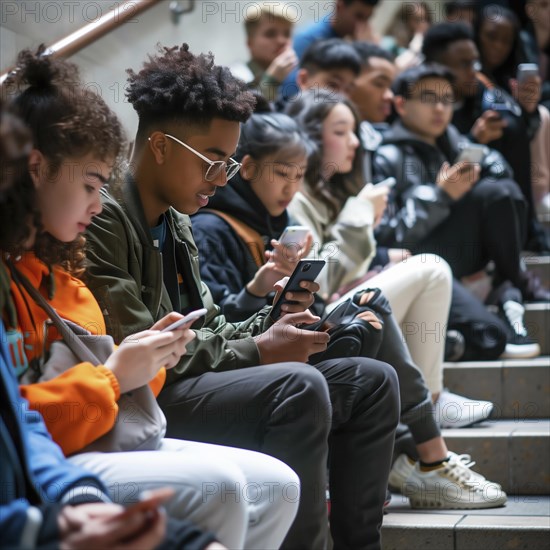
419 291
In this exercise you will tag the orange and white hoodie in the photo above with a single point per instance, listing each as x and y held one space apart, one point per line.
79 405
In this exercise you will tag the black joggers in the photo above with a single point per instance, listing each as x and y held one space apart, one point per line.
343 410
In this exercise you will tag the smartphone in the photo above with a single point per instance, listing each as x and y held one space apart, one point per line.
500 102
294 235
188 319
148 500
388 182
472 152
306 270
526 70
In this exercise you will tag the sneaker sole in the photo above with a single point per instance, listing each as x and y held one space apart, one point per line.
512 351
423 504
394 488
459 425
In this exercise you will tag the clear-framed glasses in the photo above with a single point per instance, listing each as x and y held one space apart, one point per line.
216 167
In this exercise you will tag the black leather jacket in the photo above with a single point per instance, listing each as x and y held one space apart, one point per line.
416 205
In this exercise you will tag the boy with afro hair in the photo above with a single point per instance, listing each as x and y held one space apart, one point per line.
242 384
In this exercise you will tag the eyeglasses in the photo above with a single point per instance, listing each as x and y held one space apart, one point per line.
215 167
434 99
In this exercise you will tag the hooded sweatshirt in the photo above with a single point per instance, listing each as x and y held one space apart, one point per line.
67 400
226 262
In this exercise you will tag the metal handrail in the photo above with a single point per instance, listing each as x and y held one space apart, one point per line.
91 32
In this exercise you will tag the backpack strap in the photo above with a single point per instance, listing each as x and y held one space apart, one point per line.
249 236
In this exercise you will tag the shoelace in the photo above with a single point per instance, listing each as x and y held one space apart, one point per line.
461 474
465 460
460 466
514 313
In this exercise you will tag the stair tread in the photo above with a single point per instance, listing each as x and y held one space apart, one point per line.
536 306
524 507
503 428
536 259
542 361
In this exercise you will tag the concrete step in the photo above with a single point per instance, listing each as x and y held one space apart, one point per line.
523 523
540 265
537 323
519 388
514 453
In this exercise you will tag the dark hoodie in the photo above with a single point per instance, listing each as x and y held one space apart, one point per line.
226 263
416 205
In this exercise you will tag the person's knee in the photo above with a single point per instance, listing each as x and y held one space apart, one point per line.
378 377
436 268
281 488
307 395
384 384
222 506
441 270
310 381
492 190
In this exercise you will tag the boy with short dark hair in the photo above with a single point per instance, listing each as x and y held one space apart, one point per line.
469 213
474 333
144 261
329 64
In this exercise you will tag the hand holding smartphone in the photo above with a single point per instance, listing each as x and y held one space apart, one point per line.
188 319
306 270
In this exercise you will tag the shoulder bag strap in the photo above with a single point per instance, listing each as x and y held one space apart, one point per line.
68 335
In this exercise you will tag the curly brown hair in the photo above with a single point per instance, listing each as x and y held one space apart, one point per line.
176 85
66 120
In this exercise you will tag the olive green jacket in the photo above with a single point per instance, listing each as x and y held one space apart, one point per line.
125 273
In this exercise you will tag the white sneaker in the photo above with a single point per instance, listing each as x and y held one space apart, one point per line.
519 345
400 471
403 467
452 486
456 411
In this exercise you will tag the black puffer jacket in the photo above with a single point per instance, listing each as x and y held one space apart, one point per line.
416 205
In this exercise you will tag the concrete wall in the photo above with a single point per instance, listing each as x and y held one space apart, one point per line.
214 25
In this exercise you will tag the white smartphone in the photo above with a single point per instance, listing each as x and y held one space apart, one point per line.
188 319
472 152
526 70
294 235
388 182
